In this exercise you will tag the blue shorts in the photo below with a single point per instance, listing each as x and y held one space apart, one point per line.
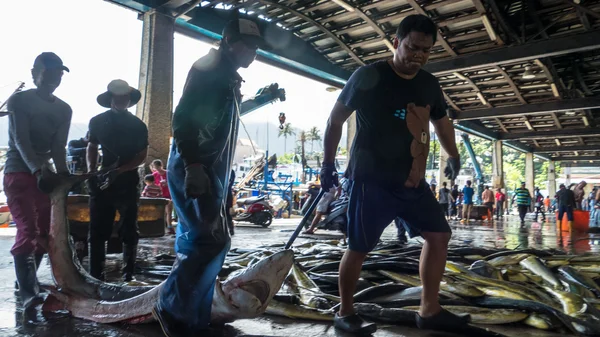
565 209
373 207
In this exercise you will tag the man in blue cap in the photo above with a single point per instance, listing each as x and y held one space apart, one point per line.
205 126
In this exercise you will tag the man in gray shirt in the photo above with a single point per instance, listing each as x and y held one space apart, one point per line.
38 127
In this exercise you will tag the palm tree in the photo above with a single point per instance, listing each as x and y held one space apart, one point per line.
314 135
285 132
302 139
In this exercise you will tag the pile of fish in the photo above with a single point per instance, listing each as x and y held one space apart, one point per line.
544 289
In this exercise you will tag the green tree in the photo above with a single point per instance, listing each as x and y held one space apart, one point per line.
287 158
314 135
285 132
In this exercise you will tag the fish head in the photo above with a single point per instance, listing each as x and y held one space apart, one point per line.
64 184
248 293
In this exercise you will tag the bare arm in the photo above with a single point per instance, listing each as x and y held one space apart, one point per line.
135 162
92 157
445 132
333 131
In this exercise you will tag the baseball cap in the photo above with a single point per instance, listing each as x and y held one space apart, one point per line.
48 60
245 29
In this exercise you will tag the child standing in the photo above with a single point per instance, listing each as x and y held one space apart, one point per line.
160 179
151 190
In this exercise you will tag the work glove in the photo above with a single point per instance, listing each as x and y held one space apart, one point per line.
107 178
93 185
47 180
452 168
197 182
329 177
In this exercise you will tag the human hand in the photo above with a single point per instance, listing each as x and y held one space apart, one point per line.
47 180
107 178
329 177
197 182
452 168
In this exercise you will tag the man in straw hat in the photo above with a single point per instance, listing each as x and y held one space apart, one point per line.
124 141
38 128
205 126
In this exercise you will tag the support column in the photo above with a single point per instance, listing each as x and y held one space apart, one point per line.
351 132
156 82
529 172
441 178
568 175
497 165
551 179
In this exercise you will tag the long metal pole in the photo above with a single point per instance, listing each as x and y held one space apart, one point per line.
304 219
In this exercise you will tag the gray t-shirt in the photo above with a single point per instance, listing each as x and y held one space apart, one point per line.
38 131
444 196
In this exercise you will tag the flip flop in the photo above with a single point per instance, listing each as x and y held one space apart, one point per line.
308 231
354 324
443 320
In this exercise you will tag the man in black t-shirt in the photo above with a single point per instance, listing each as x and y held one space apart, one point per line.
394 101
124 141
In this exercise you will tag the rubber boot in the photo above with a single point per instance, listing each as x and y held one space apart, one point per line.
558 226
38 260
97 258
29 289
129 256
570 226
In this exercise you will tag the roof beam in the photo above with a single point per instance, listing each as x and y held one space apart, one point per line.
441 38
582 8
520 53
547 149
512 84
577 158
577 164
537 108
369 21
501 125
563 133
317 25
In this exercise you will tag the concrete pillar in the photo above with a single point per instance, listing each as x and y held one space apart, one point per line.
441 177
551 179
156 82
529 172
568 175
497 167
351 132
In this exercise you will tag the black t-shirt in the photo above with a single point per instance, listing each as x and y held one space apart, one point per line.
566 197
120 134
392 133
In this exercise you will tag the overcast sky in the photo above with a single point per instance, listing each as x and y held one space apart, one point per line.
100 42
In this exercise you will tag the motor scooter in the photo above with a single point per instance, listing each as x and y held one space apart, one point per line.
257 211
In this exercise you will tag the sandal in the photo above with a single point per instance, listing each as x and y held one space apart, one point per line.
443 320
354 324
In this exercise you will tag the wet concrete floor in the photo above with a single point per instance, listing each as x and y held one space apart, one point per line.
503 234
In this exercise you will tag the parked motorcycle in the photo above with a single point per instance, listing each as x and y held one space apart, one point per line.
257 211
335 219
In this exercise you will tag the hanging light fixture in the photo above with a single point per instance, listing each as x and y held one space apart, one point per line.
528 74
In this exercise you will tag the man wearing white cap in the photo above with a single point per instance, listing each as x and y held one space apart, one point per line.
205 126
124 141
